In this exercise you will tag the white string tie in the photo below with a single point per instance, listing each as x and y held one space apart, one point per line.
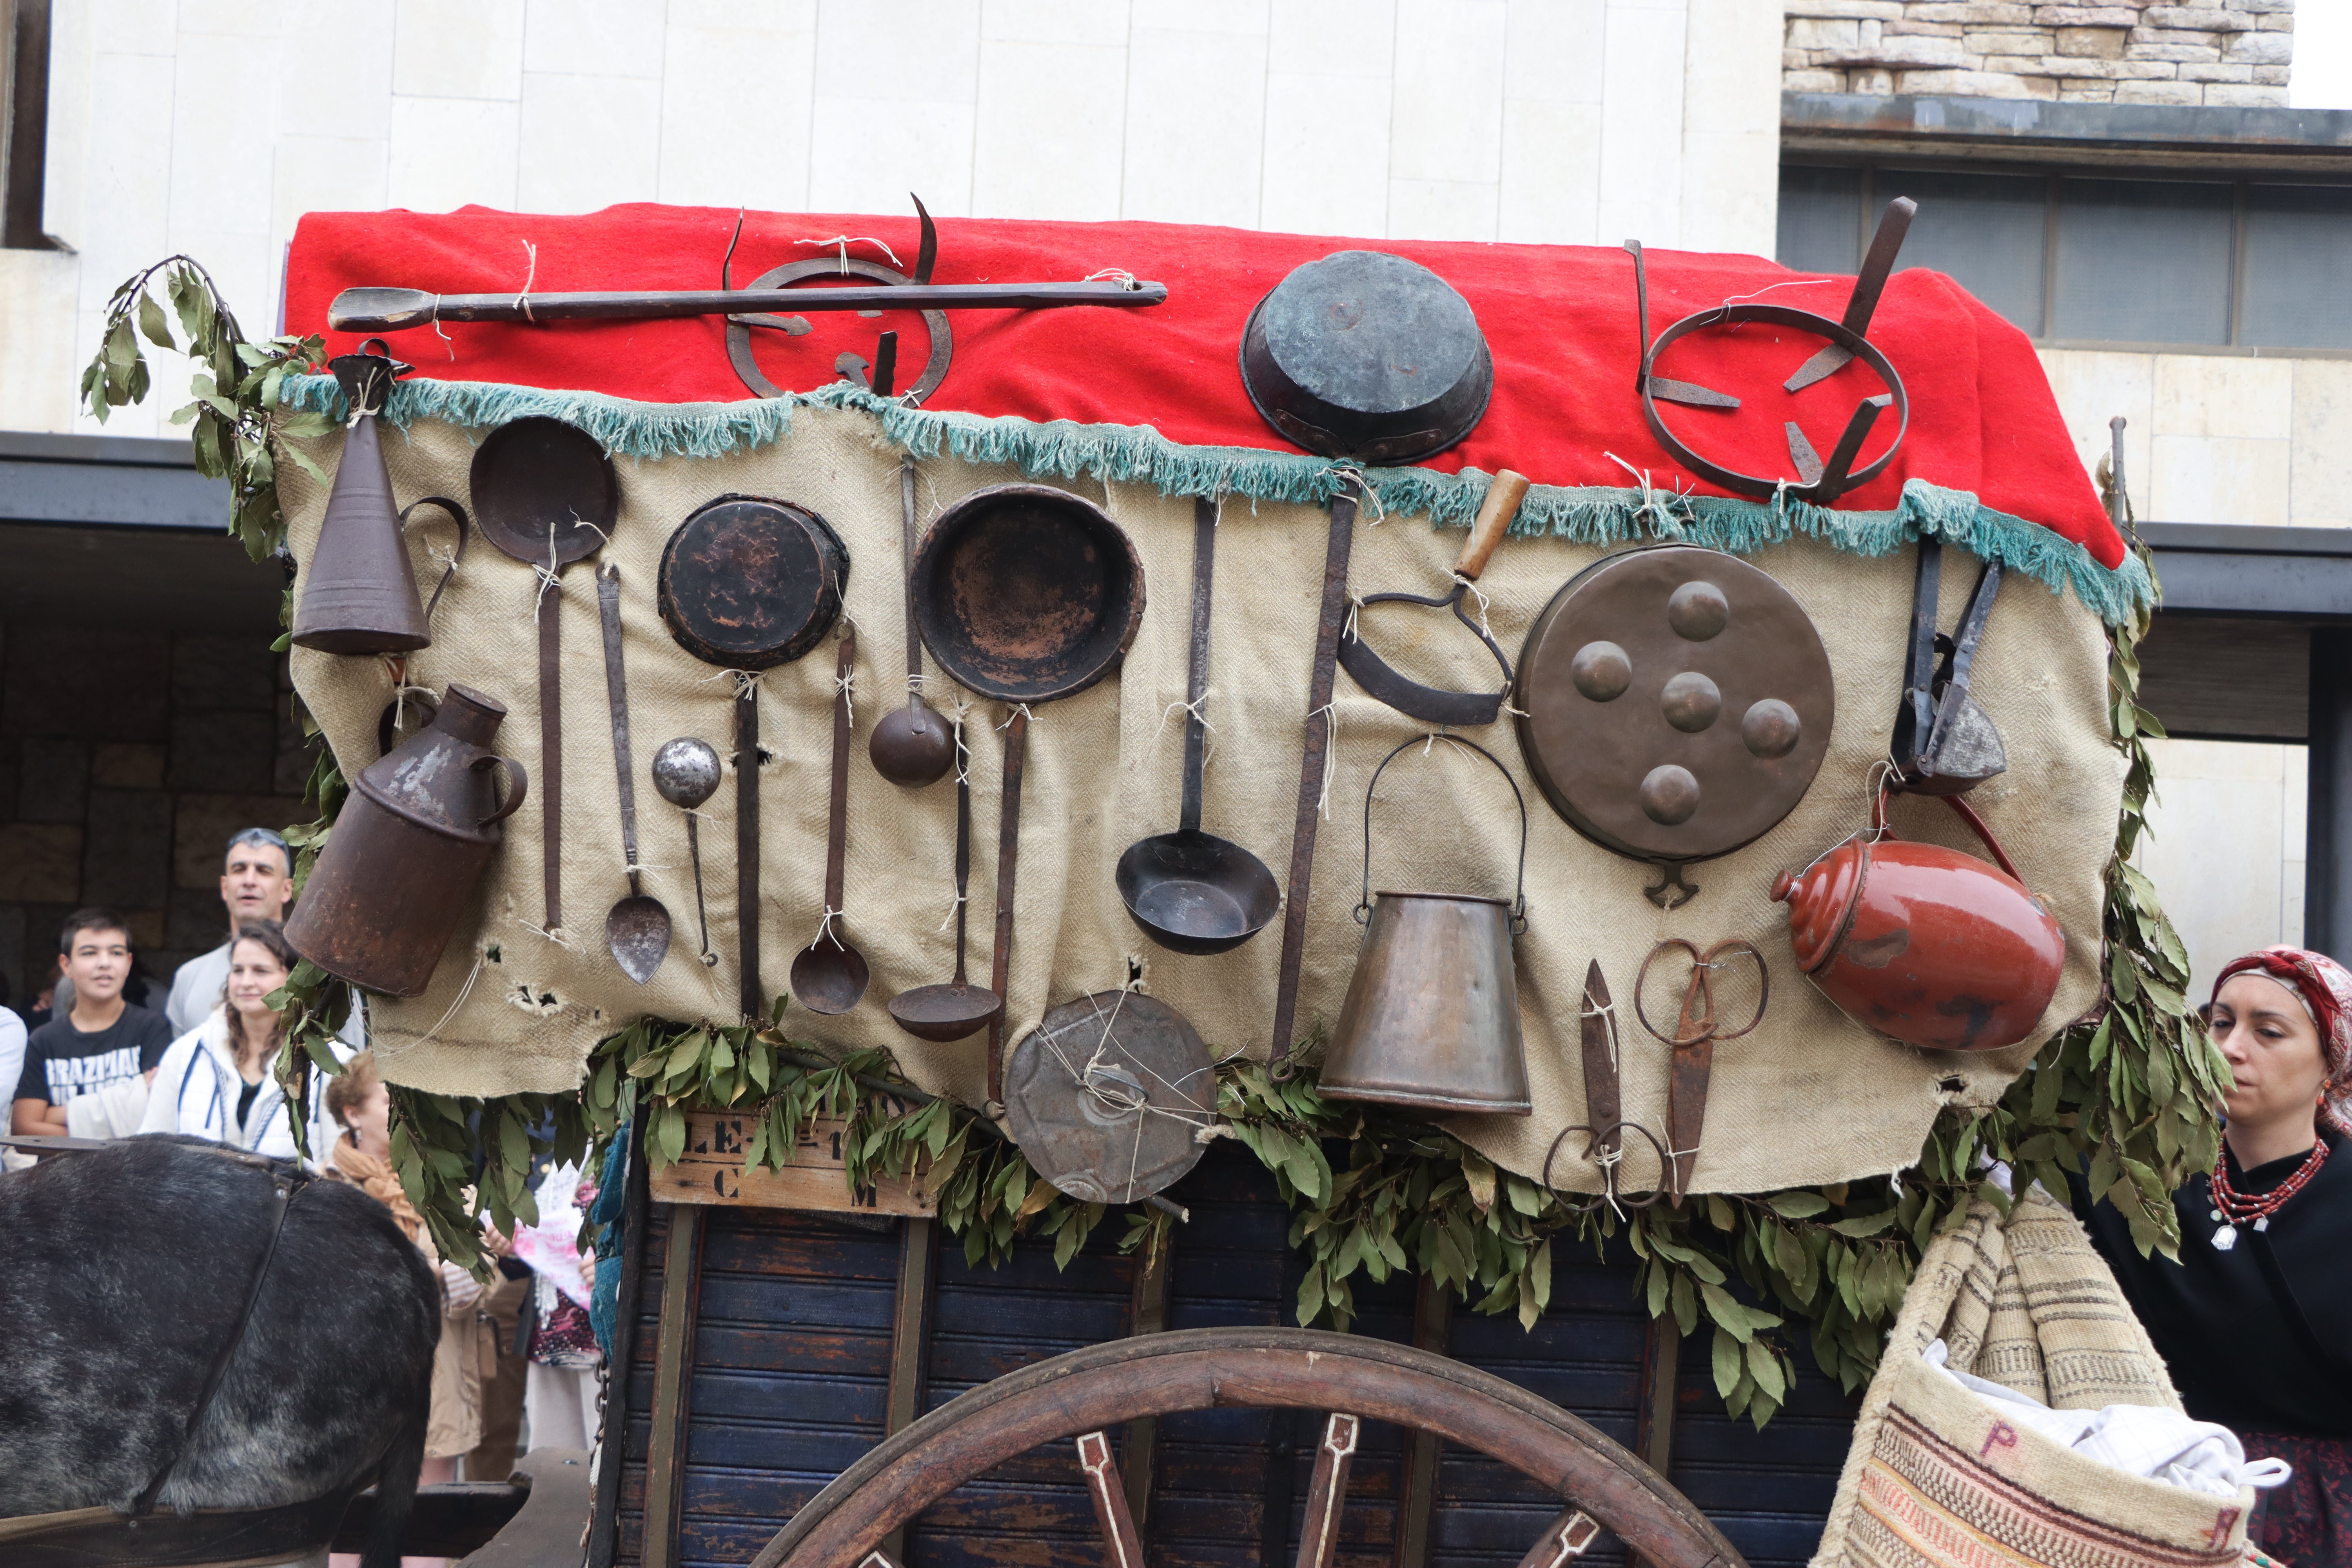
825 931
1480 595
954 904
1330 711
522 301
1118 275
1021 710
481 954
845 240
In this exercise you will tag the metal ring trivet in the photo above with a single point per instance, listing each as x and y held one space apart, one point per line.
739 333
1834 481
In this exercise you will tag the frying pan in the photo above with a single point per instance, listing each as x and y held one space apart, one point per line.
545 493
748 583
1027 594
1024 593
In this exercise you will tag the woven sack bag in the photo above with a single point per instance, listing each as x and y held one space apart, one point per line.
1937 1478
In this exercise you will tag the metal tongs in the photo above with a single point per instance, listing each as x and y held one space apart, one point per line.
1944 744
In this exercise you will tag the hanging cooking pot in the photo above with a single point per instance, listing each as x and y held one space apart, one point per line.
1027 594
1431 1019
1367 356
412 841
749 584
1929 945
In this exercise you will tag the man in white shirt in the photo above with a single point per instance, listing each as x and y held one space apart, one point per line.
257 883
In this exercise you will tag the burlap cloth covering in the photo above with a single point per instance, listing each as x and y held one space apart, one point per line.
1936 1476
1808 1097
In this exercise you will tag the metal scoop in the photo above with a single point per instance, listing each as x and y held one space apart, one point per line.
1193 891
1412 698
637 928
952 1011
830 976
686 772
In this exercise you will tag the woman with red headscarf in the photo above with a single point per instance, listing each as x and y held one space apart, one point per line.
2256 1319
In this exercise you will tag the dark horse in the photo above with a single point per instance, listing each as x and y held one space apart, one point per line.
124 1275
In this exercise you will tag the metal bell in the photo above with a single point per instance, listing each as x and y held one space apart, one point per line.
359 594
1431 1019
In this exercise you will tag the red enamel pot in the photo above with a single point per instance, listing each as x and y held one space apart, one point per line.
1927 945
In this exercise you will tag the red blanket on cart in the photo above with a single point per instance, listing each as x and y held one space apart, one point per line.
1561 321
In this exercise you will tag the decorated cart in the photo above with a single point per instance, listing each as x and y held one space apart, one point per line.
1548 810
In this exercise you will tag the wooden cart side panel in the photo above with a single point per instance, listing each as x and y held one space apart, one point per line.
791 1378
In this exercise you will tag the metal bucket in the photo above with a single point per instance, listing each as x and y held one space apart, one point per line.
411 842
1431 1019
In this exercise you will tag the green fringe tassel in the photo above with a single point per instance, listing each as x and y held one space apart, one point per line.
1140 455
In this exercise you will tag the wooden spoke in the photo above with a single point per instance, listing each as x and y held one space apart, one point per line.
1328 1493
1105 1485
1563 1540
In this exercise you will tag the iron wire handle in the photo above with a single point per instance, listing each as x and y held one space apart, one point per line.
1519 901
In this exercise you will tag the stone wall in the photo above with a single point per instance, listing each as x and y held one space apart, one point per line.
2133 52
127 758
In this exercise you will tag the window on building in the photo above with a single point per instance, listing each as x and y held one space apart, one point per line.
24 121
2072 258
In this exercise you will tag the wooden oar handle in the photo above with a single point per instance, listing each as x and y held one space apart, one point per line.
1494 514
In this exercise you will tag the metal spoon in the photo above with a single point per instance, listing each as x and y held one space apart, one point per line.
912 746
687 773
830 976
952 1011
637 928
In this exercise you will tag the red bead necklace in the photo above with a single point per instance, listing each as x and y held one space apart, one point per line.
2233 1208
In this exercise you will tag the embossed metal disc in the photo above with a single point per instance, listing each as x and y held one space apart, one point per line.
1104 1096
1678 702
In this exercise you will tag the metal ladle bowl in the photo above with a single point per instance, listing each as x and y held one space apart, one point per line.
1195 892
686 772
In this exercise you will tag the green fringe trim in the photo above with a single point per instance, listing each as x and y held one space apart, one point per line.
1140 455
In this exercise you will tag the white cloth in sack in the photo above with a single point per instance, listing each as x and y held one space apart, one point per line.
2141 1439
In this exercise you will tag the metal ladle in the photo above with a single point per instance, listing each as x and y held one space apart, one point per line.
687 773
636 929
830 976
952 1011
912 746
1193 891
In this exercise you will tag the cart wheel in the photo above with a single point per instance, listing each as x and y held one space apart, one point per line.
1086 1393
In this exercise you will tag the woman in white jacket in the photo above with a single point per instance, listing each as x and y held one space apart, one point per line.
214 1081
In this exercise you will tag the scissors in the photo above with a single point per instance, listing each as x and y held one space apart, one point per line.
1692 1041
1603 1145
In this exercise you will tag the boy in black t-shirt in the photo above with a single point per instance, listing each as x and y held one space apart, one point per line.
104 1041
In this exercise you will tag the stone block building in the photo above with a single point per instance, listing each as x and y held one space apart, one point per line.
2234 56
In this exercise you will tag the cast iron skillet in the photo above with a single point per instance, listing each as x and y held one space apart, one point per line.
1026 594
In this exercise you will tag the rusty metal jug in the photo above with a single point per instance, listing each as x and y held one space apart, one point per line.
408 848
1431 1019
359 592
1929 945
